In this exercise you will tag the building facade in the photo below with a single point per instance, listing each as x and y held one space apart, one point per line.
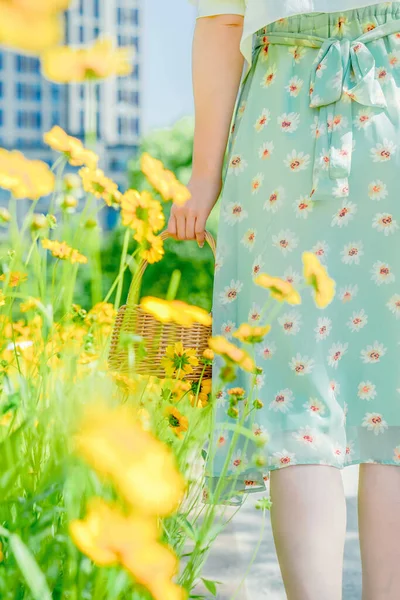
30 105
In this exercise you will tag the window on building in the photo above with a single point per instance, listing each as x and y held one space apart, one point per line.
135 43
81 121
1 89
55 92
135 126
134 16
96 32
81 34
135 98
55 118
97 8
120 17
27 64
81 7
28 91
1 118
1 60
117 164
136 72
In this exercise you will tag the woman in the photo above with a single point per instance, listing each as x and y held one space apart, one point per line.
313 166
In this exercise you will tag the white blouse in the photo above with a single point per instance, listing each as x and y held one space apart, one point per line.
258 13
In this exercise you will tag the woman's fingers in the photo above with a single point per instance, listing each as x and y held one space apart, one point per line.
181 226
172 226
190 223
200 227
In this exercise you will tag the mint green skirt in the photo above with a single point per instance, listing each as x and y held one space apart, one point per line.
314 165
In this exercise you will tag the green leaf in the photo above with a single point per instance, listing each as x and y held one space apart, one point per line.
204 454
29 568
187 527
211 585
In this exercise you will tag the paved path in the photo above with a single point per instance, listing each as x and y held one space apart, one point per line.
232 554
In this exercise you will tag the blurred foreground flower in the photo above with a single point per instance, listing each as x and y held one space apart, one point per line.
316 275
141 467
280 290
95 182
2 299
25 178
178 423
33 26
141 213
231 353
65 64
110 538
62 251
175 311
251 335
73 149
179 361
14 278
164 181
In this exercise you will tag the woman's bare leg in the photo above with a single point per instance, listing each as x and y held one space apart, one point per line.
379 522
309 524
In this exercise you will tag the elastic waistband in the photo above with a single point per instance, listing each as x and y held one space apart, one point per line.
349 24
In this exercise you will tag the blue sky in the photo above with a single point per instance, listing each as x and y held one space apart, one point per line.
167 47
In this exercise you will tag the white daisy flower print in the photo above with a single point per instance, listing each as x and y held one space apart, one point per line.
266 150
394 59
375 422
263 120
259 382
301 365
239 461
221 398
385 223
259 430
254 313
297 161
357 321
317 128
320 249
382 273
231 292
336 353
363 118
242 108
237 164
396 455
275 200
349 451
234 213
323 328
228 328
339 451
290 323
372 354
221 438
303 207
292 276
324 159
257 265
219 261
286 241
341 190
283 401
249 239
348 293
341 27
267 351
298 53
345 214
336 122
383 152
377 190
257 183
289 123
352 253
269 77
366 390
319 71
295 86
284 458
307 436
394 305
382 75
315 407
334 388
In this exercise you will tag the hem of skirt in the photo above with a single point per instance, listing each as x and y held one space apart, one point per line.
238 497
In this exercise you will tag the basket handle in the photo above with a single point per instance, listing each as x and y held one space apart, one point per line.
137 278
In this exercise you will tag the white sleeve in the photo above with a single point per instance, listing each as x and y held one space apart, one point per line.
209 8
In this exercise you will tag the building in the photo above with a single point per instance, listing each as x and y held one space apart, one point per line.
30 105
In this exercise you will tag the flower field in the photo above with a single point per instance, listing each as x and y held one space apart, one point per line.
102 470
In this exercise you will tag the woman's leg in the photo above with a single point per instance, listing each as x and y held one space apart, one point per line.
379 522
309 524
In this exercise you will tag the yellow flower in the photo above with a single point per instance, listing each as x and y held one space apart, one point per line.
32 26
95 182
15 278
208 354
203 396
30 304
65 64
25 178
2 299
63 251
281 290
75 152
102 313
141 467
232 353
316 275
251 335
5 216
178 423
141 212
6 419
237 392
175 311
179 361
152 247
110 538
125 382
164 181
178 390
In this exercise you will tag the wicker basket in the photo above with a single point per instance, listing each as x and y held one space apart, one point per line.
157 336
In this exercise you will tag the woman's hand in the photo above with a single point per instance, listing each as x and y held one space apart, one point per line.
188 222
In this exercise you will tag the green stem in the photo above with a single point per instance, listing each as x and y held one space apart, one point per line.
122 269
90 115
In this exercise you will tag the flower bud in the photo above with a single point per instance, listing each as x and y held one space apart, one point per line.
90 224
259 460
39 221
72 181
5 216
69 202
258 404
233 412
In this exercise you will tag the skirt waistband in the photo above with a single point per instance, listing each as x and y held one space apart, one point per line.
345 24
